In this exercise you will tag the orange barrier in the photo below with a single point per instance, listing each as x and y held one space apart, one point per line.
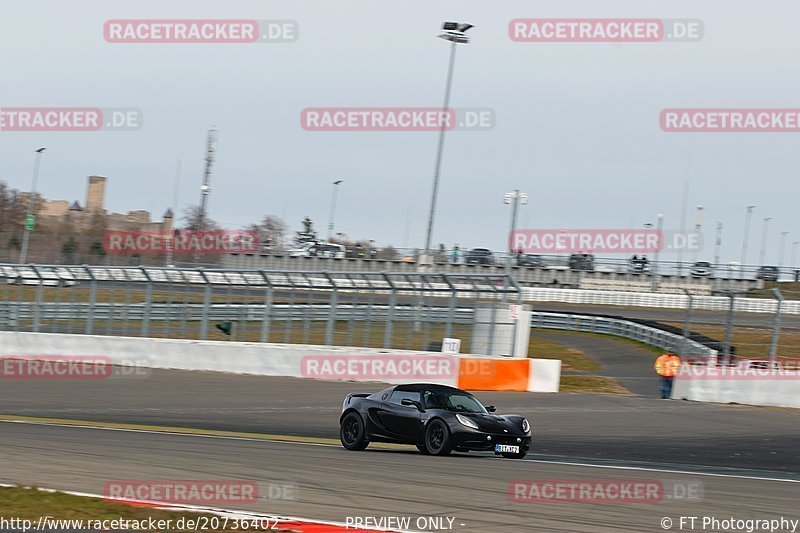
493 374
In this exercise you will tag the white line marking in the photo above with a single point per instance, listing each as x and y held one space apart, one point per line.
295 443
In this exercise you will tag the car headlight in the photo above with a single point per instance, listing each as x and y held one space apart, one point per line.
525 426
467 421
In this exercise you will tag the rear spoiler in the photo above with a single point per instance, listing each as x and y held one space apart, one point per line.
351 396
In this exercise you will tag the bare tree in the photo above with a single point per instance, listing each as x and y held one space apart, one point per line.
272 231
191 218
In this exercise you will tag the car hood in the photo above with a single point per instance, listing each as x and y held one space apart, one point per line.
490 423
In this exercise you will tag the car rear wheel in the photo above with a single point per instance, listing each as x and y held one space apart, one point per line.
352 432
519 455
437 438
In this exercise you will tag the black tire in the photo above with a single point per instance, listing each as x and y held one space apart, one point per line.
519 455
422 449
352 432
437 438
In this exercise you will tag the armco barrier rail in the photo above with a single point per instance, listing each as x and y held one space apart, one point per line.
665 301
622 328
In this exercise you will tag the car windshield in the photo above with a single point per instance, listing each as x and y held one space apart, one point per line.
456 401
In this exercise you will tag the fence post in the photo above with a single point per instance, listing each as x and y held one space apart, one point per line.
148 302
331 311
451 308
776 326
37 306
726 347
687 323
92 298
265 321
206 307
389 333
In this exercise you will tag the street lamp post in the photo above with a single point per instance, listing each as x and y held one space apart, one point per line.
455 33
514 198
763 254
717 244
698 227
334 194
29 216
654 271
783 248
746 236
205 189
794 253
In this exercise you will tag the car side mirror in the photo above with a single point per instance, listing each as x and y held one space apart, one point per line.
491 408
411 403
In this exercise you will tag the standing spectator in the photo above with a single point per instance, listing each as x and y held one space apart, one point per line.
456 254
667 366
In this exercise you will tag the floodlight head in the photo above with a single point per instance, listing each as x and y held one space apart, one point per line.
40 150
337 182
455 32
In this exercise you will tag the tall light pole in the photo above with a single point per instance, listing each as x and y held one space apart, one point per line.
334 194
654 271
698 226
717 244
783 248
30 219
205 190
794 253
455 33
746 236
763 253
514 198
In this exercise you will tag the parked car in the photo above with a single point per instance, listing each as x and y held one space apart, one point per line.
768 273
581 262
479 256
639 265
319 249
531 261
701 269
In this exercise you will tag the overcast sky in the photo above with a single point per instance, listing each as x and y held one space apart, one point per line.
577 124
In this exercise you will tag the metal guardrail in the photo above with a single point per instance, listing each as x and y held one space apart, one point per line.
664 301
17 311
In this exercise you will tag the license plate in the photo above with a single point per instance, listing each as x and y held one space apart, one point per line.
505 448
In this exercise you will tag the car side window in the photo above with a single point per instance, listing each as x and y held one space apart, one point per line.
399 395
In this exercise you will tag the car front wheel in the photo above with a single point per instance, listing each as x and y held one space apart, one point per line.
437 438
352 432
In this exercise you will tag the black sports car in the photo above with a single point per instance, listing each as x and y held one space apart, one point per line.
435 418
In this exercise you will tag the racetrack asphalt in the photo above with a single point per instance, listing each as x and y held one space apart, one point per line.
334 484
593 426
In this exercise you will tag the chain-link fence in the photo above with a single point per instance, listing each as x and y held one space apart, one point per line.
399 311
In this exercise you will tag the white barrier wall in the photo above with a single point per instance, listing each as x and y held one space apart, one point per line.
778 391
290 360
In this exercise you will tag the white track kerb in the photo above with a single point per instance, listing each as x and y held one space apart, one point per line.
290 360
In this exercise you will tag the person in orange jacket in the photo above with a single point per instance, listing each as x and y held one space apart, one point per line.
667 366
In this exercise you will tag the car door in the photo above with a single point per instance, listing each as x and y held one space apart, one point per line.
400 420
